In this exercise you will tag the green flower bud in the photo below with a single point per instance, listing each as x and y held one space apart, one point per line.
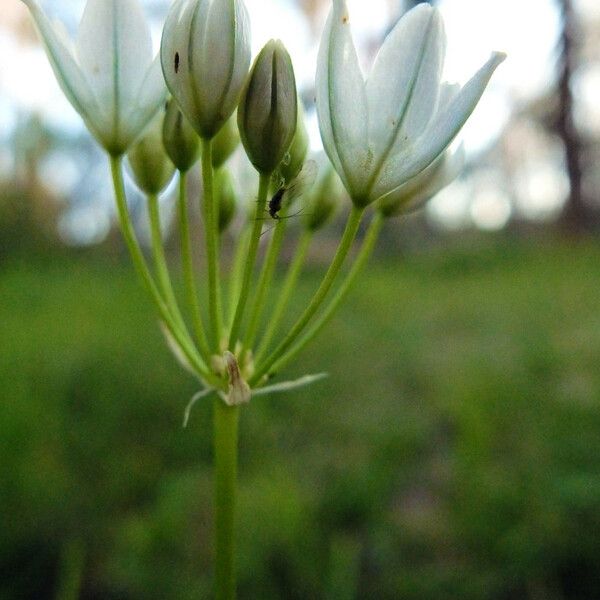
151 167
225 142
268 109
179 138
226 199
298 150
324 200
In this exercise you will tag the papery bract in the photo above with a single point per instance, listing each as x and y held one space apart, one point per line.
108 75
381 132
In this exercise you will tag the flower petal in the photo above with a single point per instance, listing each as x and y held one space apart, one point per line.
242 57
413 194
403 87
411 160
151 96
68 73
114 48
342 102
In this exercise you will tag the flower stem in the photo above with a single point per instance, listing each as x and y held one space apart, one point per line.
338 260
263 190
188 268
235 278
226 420
264 283
212 246
139 262
361 260
160 261
72 564
285 294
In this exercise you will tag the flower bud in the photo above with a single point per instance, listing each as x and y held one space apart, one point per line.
298 150
225 194
205 55
179 138
324 200
225 142
268 109
150 165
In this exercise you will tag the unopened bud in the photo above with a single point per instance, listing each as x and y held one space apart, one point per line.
225 194
296 155
205 55
268 109
225 142
181 141
151 166
324 200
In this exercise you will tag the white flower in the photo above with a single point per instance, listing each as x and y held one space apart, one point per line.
108 74
413 194
384 131
205 55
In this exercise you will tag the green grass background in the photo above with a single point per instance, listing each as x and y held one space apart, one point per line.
454 451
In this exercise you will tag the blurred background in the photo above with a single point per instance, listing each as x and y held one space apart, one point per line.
453 451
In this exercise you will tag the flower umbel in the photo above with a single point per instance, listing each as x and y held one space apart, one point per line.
108 75
383 131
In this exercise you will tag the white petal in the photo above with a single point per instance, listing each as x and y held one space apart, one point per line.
439 174
241 60
151 96
444 127
214 55
342 102
114 49
68 73
403 87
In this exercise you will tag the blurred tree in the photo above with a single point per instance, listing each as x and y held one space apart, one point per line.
578 215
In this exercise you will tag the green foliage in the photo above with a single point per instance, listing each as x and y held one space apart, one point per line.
452 452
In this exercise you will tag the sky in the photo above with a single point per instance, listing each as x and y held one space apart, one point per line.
526 30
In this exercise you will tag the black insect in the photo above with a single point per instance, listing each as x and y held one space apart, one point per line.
275 203
297 186
176 62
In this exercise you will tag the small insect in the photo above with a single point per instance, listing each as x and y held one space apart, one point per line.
297 186
176 62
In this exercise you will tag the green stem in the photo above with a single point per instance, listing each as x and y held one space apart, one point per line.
338 260
235 280
160 261
139 262
72 563
361 260
188 268
285 294
264 283
263 190
226 420
212 246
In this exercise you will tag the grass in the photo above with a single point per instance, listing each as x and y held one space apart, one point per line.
452 452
